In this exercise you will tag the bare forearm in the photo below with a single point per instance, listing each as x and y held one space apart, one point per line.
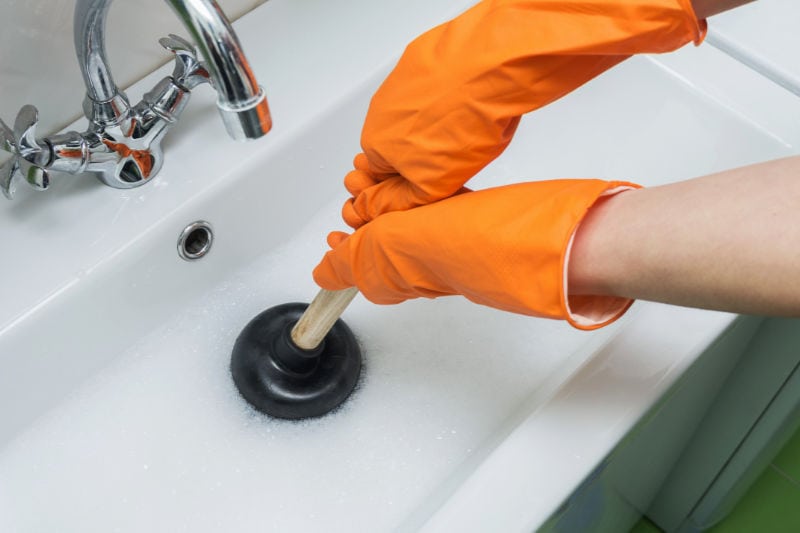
728 241
707 8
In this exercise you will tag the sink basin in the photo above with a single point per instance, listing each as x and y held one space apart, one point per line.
117 407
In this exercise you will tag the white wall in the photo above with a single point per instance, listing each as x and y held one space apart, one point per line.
37 58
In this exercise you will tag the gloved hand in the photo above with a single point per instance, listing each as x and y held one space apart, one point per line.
506 247
453 102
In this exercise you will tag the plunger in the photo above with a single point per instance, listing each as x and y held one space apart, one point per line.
297 360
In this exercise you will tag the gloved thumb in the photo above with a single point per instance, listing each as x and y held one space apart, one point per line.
333 272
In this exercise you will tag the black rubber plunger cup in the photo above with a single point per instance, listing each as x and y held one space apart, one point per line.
296 360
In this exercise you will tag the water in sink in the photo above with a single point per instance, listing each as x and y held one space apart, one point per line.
162 439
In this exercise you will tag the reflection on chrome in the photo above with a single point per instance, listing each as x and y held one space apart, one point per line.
122 144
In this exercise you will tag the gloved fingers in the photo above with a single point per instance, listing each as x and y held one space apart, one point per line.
364 175
361 162
327 273
335 238
336 270
356 181
393 194
350 216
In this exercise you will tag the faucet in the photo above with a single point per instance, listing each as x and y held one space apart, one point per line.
122 144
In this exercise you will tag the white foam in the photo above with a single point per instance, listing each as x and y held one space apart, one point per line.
161 441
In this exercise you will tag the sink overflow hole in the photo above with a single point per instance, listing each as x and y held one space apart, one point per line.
195 240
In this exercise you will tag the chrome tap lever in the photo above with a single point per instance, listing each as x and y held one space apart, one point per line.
189 71
170 95
34 156
7 172
9 169
7 140
30 157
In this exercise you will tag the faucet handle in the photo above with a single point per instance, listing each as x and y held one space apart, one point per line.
7 172
173 43
9 168
29 156
189 72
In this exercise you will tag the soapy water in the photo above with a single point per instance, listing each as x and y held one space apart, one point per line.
161 441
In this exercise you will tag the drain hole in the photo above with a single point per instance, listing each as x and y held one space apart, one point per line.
195 240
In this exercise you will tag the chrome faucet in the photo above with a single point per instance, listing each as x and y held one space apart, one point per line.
122 144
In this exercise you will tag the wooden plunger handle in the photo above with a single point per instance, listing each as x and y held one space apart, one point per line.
319 317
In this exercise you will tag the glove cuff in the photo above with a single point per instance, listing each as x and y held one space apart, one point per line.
592 312
700 26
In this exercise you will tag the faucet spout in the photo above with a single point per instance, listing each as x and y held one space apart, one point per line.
242 102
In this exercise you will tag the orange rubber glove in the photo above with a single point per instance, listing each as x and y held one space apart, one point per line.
506 247
453 102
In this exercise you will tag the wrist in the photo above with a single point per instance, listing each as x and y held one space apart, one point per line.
708 8
596 265
591 267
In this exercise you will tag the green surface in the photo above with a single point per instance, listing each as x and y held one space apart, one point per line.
645 526
772 505
788 461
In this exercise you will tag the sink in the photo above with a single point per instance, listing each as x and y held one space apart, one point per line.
117 407
741 33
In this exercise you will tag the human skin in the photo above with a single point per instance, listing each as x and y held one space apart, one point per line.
707 8
728 241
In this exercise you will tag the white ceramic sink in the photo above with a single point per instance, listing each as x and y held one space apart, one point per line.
117 411
764 36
